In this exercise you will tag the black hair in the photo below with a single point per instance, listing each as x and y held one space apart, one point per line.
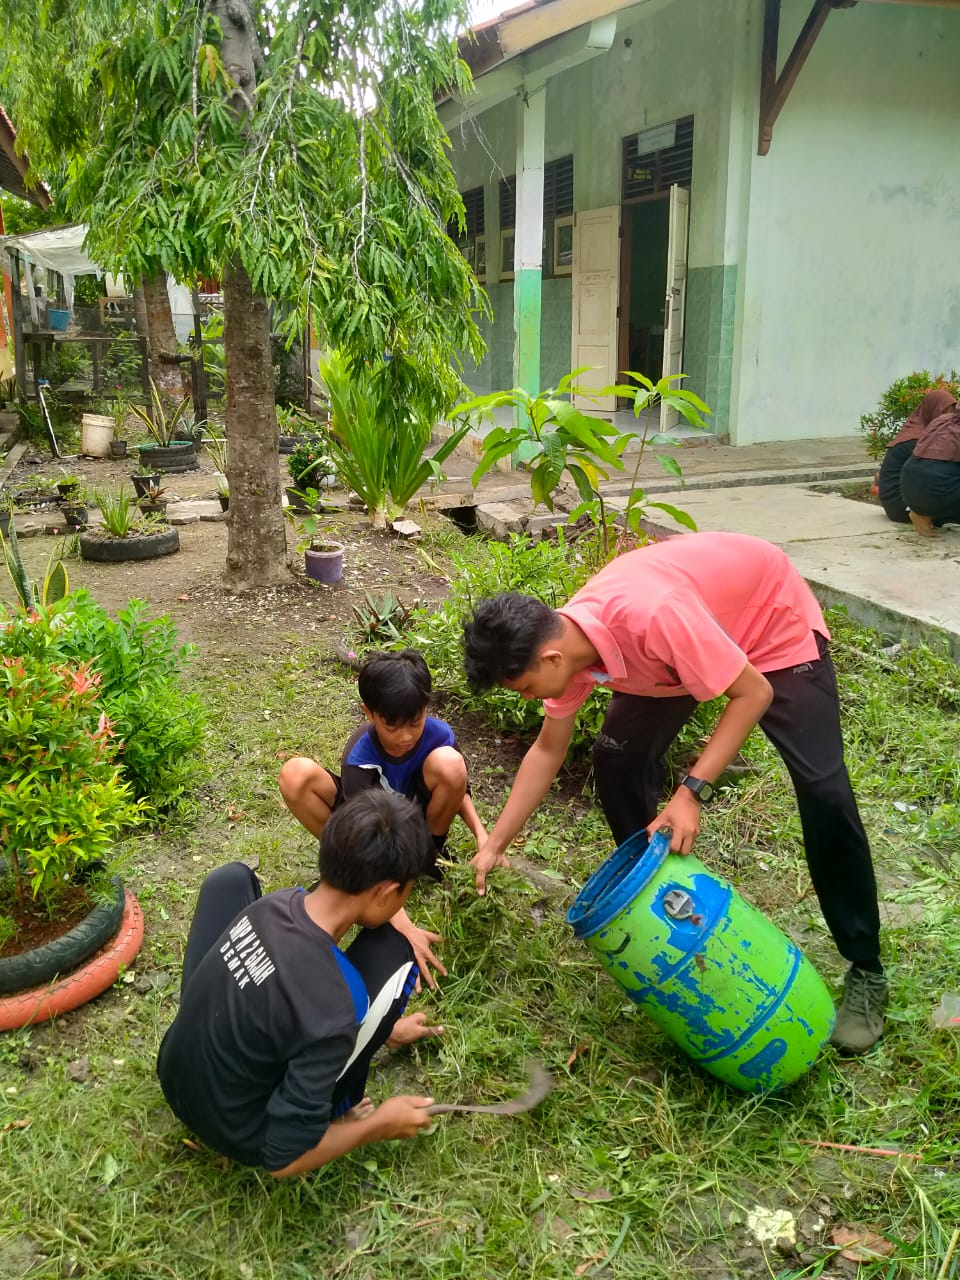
396 686
501 640
377 835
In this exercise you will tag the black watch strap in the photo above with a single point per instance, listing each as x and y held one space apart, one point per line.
703 790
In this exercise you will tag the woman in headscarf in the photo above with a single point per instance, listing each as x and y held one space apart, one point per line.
901 447
930 479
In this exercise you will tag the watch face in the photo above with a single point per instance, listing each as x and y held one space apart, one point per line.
702 789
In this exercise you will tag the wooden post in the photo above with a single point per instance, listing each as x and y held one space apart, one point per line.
774 89
19 350
198 371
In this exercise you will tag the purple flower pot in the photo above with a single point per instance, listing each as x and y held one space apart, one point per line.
326 565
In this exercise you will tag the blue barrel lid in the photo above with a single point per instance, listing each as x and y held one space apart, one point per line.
617 882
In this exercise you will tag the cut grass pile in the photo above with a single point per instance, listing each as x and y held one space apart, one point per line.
638 1164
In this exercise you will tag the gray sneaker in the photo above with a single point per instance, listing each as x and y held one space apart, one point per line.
860 1016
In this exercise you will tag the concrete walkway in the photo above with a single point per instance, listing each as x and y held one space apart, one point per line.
889 578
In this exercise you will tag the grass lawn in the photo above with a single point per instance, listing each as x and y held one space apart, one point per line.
638 1164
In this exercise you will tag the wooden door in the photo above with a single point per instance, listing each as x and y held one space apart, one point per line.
596 290
675 304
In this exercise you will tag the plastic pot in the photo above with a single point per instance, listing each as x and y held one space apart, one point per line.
75 515
142 484
118 448
325 562
224 499
297 502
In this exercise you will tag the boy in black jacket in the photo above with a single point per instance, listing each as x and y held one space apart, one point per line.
268 1056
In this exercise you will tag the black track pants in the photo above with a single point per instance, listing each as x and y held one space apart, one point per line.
803 723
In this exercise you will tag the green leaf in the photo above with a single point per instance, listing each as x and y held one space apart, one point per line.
681 517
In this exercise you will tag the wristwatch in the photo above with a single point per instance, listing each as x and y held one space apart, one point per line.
702 789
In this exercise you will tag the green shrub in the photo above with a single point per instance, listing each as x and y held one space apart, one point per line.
138 661
550 571
63 801
898 402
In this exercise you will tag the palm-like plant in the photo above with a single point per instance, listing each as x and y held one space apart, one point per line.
162 427
375 444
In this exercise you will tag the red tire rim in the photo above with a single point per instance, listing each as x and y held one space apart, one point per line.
80 985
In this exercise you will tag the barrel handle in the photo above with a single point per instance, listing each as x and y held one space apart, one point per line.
622 946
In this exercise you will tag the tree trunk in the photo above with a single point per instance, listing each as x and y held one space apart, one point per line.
256 544
161 337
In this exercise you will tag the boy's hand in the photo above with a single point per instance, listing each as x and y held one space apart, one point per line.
422 941
403 1116
484 861
411 1028
681 814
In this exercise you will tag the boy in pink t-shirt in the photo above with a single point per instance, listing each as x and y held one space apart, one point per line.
673 624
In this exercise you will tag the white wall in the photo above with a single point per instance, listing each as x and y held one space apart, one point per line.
853 243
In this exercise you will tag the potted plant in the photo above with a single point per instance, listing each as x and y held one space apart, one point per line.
144 478
75 514
216 446
63 911
174 447
308 466
292 423
119 409
123 536
152 501
223 493
68 486
322 554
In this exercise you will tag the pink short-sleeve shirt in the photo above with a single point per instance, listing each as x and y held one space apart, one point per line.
686 615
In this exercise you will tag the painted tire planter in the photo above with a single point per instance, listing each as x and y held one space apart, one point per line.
325 566
32 968
710 970
149 546
181 455
98 973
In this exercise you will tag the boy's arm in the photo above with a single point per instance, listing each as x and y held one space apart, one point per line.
472 819
399 1117
747 699
537 770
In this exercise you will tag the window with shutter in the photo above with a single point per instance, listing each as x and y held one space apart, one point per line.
657 159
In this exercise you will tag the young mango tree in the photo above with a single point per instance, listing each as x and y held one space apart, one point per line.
294 153
552 437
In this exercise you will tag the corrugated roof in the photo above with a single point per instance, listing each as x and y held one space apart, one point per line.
14 169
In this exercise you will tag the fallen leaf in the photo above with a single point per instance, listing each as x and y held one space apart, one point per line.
584 1044
587 1263
234 815
183 597
592 1196
857 1244
16 1124
110 1169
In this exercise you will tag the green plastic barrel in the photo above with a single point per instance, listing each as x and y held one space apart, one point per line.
712 972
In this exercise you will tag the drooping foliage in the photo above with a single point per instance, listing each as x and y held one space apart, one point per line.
293 153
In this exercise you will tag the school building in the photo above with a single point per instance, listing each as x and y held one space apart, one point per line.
761 194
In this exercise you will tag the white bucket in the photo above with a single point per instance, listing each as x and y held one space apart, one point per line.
96 432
